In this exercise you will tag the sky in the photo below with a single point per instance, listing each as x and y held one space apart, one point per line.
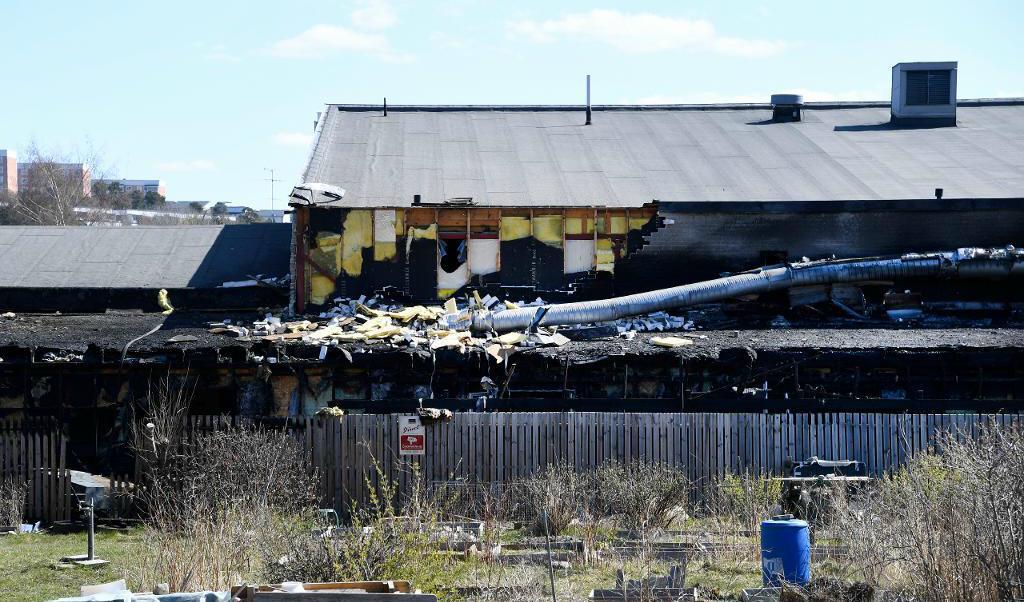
209 95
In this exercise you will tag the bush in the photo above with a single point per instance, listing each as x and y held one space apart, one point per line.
743 500
559 492
213 501
212 509
950 525
388 539
641 496
12 502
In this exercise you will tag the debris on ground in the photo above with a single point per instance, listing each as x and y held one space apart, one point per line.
376 321
282 282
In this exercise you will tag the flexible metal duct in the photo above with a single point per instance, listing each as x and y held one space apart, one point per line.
964 263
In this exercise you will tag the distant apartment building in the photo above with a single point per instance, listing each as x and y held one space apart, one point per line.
32 174
8 171
140 186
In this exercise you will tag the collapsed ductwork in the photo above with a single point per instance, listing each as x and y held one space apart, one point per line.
962 263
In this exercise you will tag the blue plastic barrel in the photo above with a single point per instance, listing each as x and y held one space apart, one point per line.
785 552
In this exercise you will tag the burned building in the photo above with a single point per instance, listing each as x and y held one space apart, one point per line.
431 200
431 203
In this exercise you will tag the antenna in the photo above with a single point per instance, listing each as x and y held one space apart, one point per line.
588 99
271 179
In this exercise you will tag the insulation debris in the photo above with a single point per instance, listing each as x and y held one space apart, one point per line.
671 342
376 321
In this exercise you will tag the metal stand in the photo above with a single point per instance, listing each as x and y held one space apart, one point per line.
88 559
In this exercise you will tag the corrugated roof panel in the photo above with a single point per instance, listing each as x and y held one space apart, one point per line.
460 160
731 154
428 183
422 151
544 183
614 159
492 133
572 153
502 172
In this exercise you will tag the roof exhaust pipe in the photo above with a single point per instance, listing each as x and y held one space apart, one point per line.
963 263
588 100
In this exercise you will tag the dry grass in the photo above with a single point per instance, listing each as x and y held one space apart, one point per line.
12 502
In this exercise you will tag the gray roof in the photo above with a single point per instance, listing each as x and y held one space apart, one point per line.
140 256
510 156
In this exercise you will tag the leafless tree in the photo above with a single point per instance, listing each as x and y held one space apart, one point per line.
51 185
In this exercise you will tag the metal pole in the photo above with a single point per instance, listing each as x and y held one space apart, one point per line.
90 510
551 567
588 99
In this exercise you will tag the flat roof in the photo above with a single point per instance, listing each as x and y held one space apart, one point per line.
129 257
631 155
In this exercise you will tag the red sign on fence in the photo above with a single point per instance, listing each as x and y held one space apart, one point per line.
412 436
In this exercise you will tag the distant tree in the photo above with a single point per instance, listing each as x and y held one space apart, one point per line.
9 215
50 188
197 207
219 208
250 216
154 199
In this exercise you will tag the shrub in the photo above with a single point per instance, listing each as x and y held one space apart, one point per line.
12 502
950 525
641 496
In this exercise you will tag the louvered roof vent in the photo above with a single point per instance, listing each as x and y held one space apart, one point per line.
924 94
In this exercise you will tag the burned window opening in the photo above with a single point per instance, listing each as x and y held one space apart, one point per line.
452 252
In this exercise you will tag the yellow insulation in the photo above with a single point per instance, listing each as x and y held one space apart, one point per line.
356 236
548 229
635 223
384 251
320 288
605 256
514 227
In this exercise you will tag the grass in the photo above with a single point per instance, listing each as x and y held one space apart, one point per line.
29 569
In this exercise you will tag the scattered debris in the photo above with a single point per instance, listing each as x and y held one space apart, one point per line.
282 282
62 356
183 338
376 321
330 412
10 315
671 342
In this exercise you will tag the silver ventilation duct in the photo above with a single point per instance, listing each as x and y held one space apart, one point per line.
962 263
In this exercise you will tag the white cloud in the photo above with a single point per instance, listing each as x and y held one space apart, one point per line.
186 166
323 40
441 39
220 54
374 14
642 33
292 139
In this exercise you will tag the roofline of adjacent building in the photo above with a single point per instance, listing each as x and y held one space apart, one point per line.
875 104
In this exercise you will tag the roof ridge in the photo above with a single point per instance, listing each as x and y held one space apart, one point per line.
964 102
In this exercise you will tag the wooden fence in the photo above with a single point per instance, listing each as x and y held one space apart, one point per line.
504 447
34 455
354 453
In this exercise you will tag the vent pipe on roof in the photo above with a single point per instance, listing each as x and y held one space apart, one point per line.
385 106
786 107
588 100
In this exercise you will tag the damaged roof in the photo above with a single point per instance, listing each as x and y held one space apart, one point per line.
141 257
189 332
631 155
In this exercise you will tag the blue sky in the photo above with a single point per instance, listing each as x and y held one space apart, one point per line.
205 95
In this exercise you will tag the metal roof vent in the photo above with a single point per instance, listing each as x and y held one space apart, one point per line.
786 107
924 94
